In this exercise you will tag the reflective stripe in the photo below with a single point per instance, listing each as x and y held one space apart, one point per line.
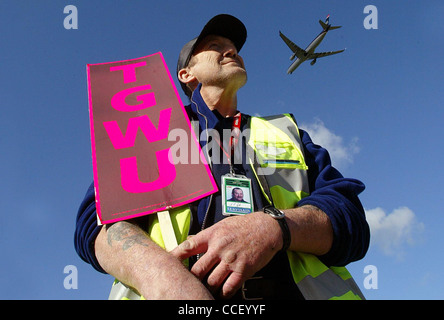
327 285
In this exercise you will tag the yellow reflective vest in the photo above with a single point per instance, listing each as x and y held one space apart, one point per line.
275 153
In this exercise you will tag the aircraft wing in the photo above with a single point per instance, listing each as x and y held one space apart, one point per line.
299 52
324 54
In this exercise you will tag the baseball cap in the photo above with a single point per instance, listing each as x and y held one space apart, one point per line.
224 25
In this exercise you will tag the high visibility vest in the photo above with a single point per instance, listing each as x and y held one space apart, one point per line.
275 153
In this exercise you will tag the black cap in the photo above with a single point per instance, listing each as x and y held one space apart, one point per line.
223 25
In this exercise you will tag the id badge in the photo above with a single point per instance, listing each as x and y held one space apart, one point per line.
237 196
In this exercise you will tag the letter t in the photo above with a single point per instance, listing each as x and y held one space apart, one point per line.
129 71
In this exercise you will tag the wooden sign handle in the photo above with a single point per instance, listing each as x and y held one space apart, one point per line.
166 228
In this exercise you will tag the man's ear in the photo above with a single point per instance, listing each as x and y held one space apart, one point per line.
185 76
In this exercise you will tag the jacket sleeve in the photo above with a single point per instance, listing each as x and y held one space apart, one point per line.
338 198
87 229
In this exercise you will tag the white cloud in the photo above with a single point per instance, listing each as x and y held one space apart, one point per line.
341 153
391 232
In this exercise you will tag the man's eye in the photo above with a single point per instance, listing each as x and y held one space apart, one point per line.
214 46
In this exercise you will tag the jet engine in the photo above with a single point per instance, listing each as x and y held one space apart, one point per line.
293 56
313 62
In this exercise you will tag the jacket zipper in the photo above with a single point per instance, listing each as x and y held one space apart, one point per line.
211 167
209 162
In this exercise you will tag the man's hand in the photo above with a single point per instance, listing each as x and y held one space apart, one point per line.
234 250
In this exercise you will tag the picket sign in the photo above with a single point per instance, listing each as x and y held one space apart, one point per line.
134 105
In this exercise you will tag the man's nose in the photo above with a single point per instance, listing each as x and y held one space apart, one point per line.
230 51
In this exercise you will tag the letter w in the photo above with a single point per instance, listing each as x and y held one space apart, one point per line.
152 134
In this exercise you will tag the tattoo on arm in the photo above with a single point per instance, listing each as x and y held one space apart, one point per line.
125 232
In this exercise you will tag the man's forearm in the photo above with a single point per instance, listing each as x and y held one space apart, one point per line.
311 230
125 251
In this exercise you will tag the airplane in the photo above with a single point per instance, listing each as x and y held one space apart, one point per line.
308 53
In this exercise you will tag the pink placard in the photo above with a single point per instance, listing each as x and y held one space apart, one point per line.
134 106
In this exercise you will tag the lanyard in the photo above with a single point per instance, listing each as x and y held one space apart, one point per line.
236 128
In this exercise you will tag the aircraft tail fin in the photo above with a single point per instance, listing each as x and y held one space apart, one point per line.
326 25
323 25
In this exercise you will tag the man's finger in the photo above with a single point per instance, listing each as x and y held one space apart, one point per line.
190 247
232 284
218 276
204 265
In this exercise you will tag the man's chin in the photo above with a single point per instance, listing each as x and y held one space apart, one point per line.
241 76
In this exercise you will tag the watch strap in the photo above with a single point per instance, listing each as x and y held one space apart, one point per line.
279 216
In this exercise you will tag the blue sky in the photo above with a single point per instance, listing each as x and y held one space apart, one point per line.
377 107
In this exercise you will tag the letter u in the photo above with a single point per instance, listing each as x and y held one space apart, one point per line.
130 175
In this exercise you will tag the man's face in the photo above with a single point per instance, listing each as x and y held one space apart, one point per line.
215 62
238 195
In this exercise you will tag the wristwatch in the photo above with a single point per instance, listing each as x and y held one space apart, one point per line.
280 218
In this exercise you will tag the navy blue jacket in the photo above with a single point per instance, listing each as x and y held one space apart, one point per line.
329 191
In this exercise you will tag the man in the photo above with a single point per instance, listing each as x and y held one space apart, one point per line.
237 195
257 255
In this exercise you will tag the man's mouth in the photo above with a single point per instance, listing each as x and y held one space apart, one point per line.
233 61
